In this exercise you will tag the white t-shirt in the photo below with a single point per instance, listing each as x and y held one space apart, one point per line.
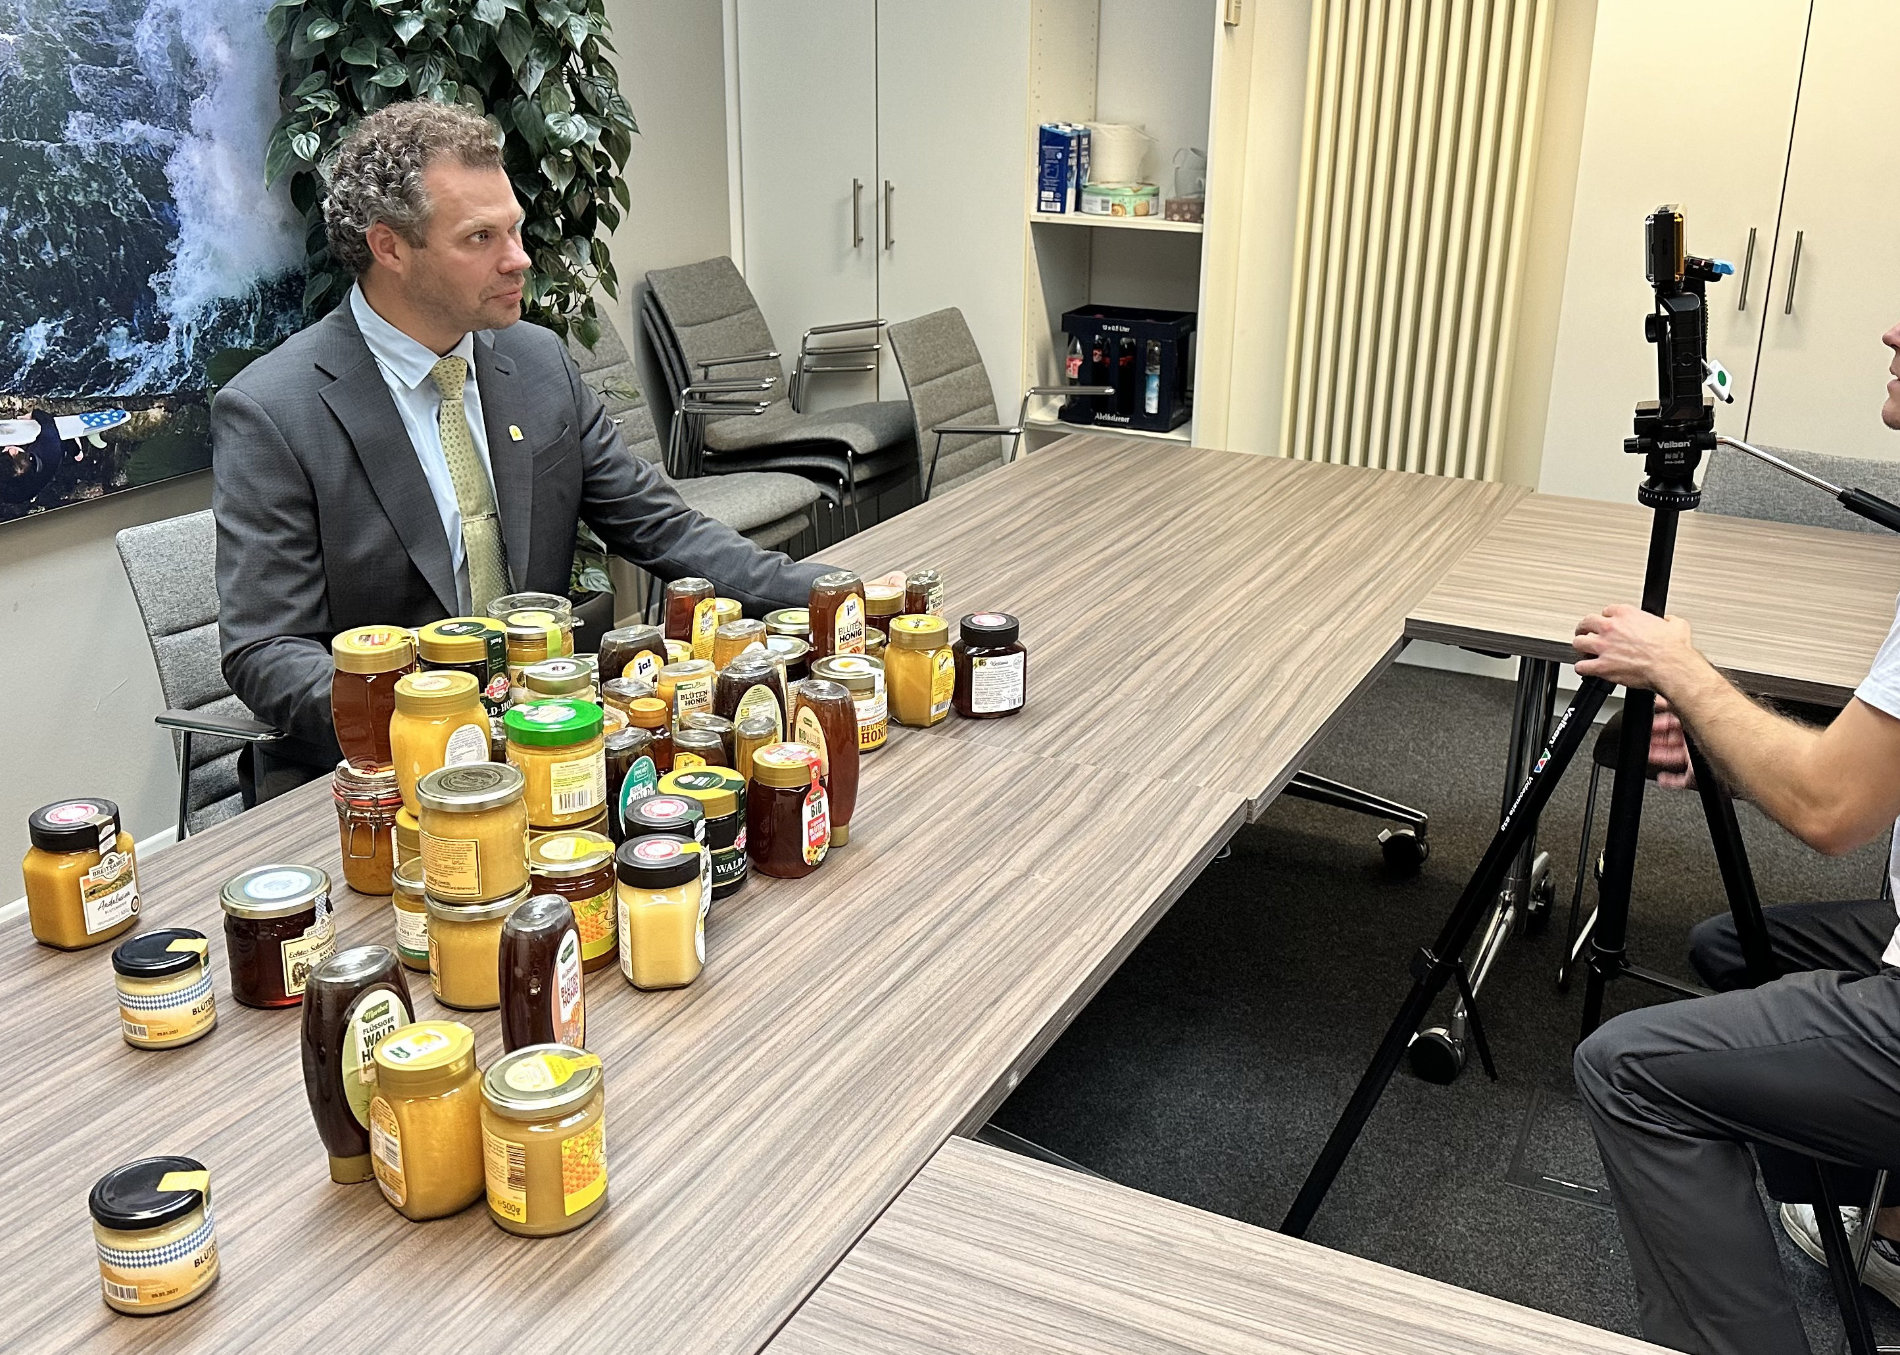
1881 690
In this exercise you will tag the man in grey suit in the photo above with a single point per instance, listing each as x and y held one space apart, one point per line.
417 453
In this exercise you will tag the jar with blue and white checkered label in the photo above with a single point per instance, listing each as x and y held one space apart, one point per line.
164 985
151 1221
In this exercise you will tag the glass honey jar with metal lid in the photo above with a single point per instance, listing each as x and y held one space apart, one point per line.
536 634
163 980
543 1139
278 927
837 614
409 901
408 837
882 601
552 678
366 807
792 655
465 950
425 1119
705 721
863 677
789 621
920 674
369 661
509 603
152 1225
788 824
923 592
687 687
708 617
682 601
82 883
474 832
476 645
737 637
992 667
579 867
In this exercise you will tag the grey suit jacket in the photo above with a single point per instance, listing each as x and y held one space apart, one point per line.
325 520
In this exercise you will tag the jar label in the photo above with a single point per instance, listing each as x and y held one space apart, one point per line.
165 1018
699 923
996 683
692 694
109 892
161 1275
686 761
385 1152
595 918
373 1015
943 681
579 785
874 715
817 823
807 729
505 1170
467 743
705 623
761 700
644 667
584 1166
847 626
412 934
304 953
570 1016
451 866
642 780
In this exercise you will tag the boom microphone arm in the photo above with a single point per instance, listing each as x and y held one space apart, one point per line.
1859 501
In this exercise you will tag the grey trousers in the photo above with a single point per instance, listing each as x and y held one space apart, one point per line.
1674 1094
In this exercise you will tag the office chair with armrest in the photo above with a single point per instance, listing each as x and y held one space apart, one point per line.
1794 1178
1736 485
172 567
707 319
951 397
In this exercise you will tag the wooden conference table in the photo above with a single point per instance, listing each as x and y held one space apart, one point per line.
1196 620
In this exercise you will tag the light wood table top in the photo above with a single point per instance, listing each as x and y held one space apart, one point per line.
1195 614
758 1121
992 1252
1794 612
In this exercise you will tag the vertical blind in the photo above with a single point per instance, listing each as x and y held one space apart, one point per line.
1415 184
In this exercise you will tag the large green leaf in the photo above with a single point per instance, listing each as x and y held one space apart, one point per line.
513 39
407 24
362 52
392 75
278 154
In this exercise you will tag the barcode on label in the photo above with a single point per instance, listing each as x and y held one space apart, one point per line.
134 1029
573 801
126 1293
389 1149
517 1169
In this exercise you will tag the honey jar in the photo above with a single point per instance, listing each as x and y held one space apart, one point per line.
82 883
543 1145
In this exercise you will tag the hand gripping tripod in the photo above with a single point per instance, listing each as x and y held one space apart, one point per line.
1672 434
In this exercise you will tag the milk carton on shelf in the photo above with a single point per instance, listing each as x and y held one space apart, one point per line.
1062 166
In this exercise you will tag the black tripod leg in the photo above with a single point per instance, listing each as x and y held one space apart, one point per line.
1435 967
1607 941
1840 1265
1738 880
1470 999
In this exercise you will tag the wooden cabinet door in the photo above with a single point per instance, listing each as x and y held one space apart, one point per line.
1823 371
1705 126
953 109
808 171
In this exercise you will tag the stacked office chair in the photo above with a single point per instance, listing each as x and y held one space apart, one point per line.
1737 485
951 397
172 567
776 510
734 408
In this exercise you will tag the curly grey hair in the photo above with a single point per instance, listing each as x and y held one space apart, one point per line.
375 173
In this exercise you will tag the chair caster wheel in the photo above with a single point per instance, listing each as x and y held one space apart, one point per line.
1537 909
1404 850
1435 1056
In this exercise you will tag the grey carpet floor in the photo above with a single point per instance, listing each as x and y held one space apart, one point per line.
1212 1066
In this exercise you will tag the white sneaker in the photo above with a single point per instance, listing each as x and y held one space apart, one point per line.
1882 1272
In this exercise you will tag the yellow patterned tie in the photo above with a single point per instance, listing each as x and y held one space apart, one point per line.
481 527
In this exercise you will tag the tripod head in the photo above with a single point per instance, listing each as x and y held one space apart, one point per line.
1678 426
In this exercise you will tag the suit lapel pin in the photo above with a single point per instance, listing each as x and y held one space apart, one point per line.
514 432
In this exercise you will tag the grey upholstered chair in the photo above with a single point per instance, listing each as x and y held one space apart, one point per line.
950 397
716 344
773 509
172 567
1736 485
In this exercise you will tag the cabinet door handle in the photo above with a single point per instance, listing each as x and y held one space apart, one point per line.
1748 267
1794 273
889 239
857 218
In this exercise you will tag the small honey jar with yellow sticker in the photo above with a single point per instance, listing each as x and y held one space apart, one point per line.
164 985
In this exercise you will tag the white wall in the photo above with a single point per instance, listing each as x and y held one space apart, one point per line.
84 725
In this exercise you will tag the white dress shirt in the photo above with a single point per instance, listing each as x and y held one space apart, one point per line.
406 365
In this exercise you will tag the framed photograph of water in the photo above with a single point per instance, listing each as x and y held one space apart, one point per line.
140 256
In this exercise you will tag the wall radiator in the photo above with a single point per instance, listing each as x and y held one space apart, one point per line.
1415 186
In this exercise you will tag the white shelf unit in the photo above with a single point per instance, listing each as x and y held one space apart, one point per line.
1121 223
1148 62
